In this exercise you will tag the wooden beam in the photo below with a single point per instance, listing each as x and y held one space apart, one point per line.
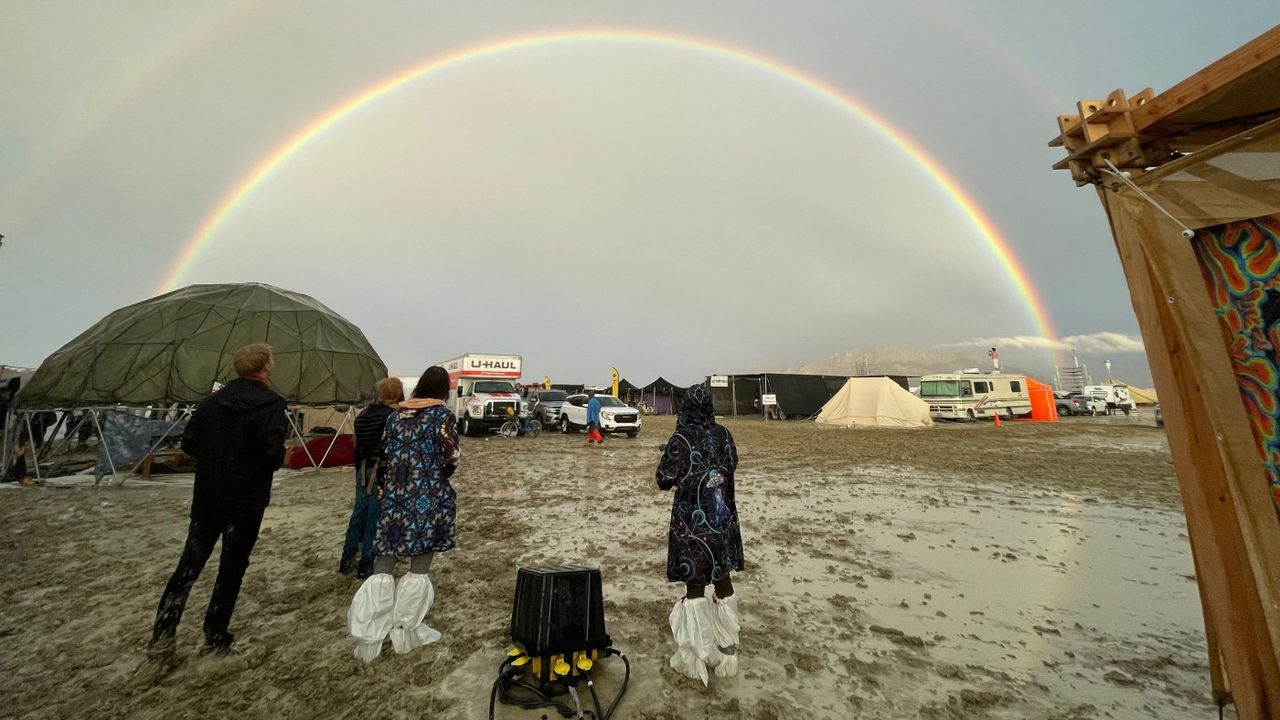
1240 62
1231 551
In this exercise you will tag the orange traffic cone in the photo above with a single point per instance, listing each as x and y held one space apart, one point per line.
999 422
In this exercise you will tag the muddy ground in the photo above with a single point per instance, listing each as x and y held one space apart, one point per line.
963 571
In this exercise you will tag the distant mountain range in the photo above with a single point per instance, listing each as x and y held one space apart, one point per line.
890 360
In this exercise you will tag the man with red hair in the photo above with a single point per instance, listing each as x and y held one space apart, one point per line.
237 439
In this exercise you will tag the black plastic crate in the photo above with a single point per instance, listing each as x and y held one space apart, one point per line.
558 609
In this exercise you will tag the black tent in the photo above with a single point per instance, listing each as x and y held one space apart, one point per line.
797 395
662 396
628 392
800 395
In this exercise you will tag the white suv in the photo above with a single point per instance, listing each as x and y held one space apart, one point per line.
615 415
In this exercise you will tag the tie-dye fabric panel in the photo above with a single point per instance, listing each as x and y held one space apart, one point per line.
1241 265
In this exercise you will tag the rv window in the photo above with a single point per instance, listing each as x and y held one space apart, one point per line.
939 388
966 389
982 387
1015 386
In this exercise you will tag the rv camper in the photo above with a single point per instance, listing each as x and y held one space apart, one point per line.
971 395
1114 395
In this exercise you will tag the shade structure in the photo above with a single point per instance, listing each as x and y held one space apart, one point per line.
173 348
874 402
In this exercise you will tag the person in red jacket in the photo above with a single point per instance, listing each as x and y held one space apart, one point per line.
237 439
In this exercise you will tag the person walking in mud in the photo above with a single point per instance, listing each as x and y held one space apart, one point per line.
704 542
236 437
417 518
593 419
357 549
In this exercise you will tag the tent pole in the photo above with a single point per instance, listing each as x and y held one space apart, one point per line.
301 439
102 438
8 428
334 441
733 395
31 443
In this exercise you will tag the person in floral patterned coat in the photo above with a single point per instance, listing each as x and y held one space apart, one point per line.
417 516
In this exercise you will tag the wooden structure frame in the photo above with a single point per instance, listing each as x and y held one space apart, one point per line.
1133 147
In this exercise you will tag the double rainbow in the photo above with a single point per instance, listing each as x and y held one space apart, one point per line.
936 173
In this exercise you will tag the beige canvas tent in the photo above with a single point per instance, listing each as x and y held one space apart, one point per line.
874 402
1143 396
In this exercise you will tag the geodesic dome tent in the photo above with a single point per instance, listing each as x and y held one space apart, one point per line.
134 376
173 348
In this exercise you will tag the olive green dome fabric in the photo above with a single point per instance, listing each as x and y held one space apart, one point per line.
172 348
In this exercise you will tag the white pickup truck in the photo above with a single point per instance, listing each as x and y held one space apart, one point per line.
482 391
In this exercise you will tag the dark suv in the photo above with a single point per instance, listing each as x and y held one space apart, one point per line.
546 406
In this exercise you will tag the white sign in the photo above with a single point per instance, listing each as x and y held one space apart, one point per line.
769 399
719 381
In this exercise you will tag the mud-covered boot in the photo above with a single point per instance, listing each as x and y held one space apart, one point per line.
369 617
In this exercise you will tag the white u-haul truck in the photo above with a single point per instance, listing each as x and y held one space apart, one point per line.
482 391
971 395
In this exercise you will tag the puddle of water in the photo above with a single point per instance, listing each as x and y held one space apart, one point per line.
1053 590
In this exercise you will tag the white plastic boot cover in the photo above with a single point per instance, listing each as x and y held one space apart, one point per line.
414 596
369 618
727 631
693 626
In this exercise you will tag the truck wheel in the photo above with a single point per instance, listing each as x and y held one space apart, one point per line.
564 425
971 415
632 433
1064 410
1126 412
467 429
1008 413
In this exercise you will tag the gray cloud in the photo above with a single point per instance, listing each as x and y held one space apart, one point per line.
585 205
1094 343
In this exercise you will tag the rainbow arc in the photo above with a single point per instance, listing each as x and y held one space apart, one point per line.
954 192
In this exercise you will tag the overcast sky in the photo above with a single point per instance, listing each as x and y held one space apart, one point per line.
586 204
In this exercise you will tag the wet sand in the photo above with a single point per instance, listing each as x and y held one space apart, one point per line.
963 571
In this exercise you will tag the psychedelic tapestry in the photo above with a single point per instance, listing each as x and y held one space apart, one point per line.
1241 266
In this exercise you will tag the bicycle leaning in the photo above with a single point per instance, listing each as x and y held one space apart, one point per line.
517 426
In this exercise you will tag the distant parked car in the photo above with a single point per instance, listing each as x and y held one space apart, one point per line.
1159 416
1078 404
546 406
615 415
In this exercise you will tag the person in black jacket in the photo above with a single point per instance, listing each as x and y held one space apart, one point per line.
237 439
363 525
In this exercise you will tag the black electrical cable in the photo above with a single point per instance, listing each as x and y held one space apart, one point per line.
493 694
541 700
594 697
506 682
626 680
